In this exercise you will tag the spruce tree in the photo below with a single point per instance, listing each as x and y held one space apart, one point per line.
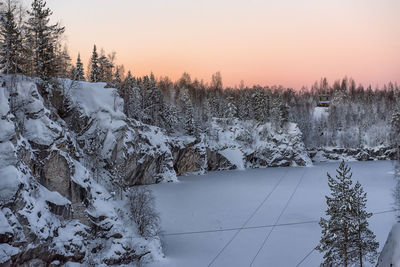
42 40
11 48
80 74
94 60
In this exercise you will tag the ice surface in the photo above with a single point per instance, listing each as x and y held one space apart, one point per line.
227 199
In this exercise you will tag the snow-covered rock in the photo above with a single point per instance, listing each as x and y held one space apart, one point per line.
57 204
68 154
235 144
323 154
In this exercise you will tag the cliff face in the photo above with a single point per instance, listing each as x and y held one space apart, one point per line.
235 144
62 174
68 155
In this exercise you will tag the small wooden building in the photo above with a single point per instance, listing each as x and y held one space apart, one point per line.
323 101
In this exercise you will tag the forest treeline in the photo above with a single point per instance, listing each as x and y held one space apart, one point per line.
357 116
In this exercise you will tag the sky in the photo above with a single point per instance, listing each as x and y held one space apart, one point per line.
269 42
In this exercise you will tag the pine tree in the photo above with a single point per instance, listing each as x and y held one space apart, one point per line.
187 112
63 62
72 73
365 246
117 78
94 60
80 73
105 68
11 48
132 98
261 112
279 112
346 239
335 241
42 40
231 109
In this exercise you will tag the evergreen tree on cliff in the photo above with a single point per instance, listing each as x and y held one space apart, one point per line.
11 48
94 61
187 112
80 73
42 40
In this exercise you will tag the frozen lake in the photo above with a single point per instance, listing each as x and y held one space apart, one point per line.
278 209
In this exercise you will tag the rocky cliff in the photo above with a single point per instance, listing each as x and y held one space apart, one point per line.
68 155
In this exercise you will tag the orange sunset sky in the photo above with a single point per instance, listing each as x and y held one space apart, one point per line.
289 43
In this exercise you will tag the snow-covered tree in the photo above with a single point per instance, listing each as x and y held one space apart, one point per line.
42 40
231 109
336 229
365 245
94 62
346 239
187 112
63 62
117 77
80 73
279 112
11 48
260 105
106 67
133 99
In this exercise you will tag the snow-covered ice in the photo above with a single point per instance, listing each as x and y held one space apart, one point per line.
260 197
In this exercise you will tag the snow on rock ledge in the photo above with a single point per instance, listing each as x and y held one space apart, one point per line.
235 144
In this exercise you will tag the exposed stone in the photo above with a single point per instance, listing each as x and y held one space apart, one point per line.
56 174
64 211
30 256
215 161
187 159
